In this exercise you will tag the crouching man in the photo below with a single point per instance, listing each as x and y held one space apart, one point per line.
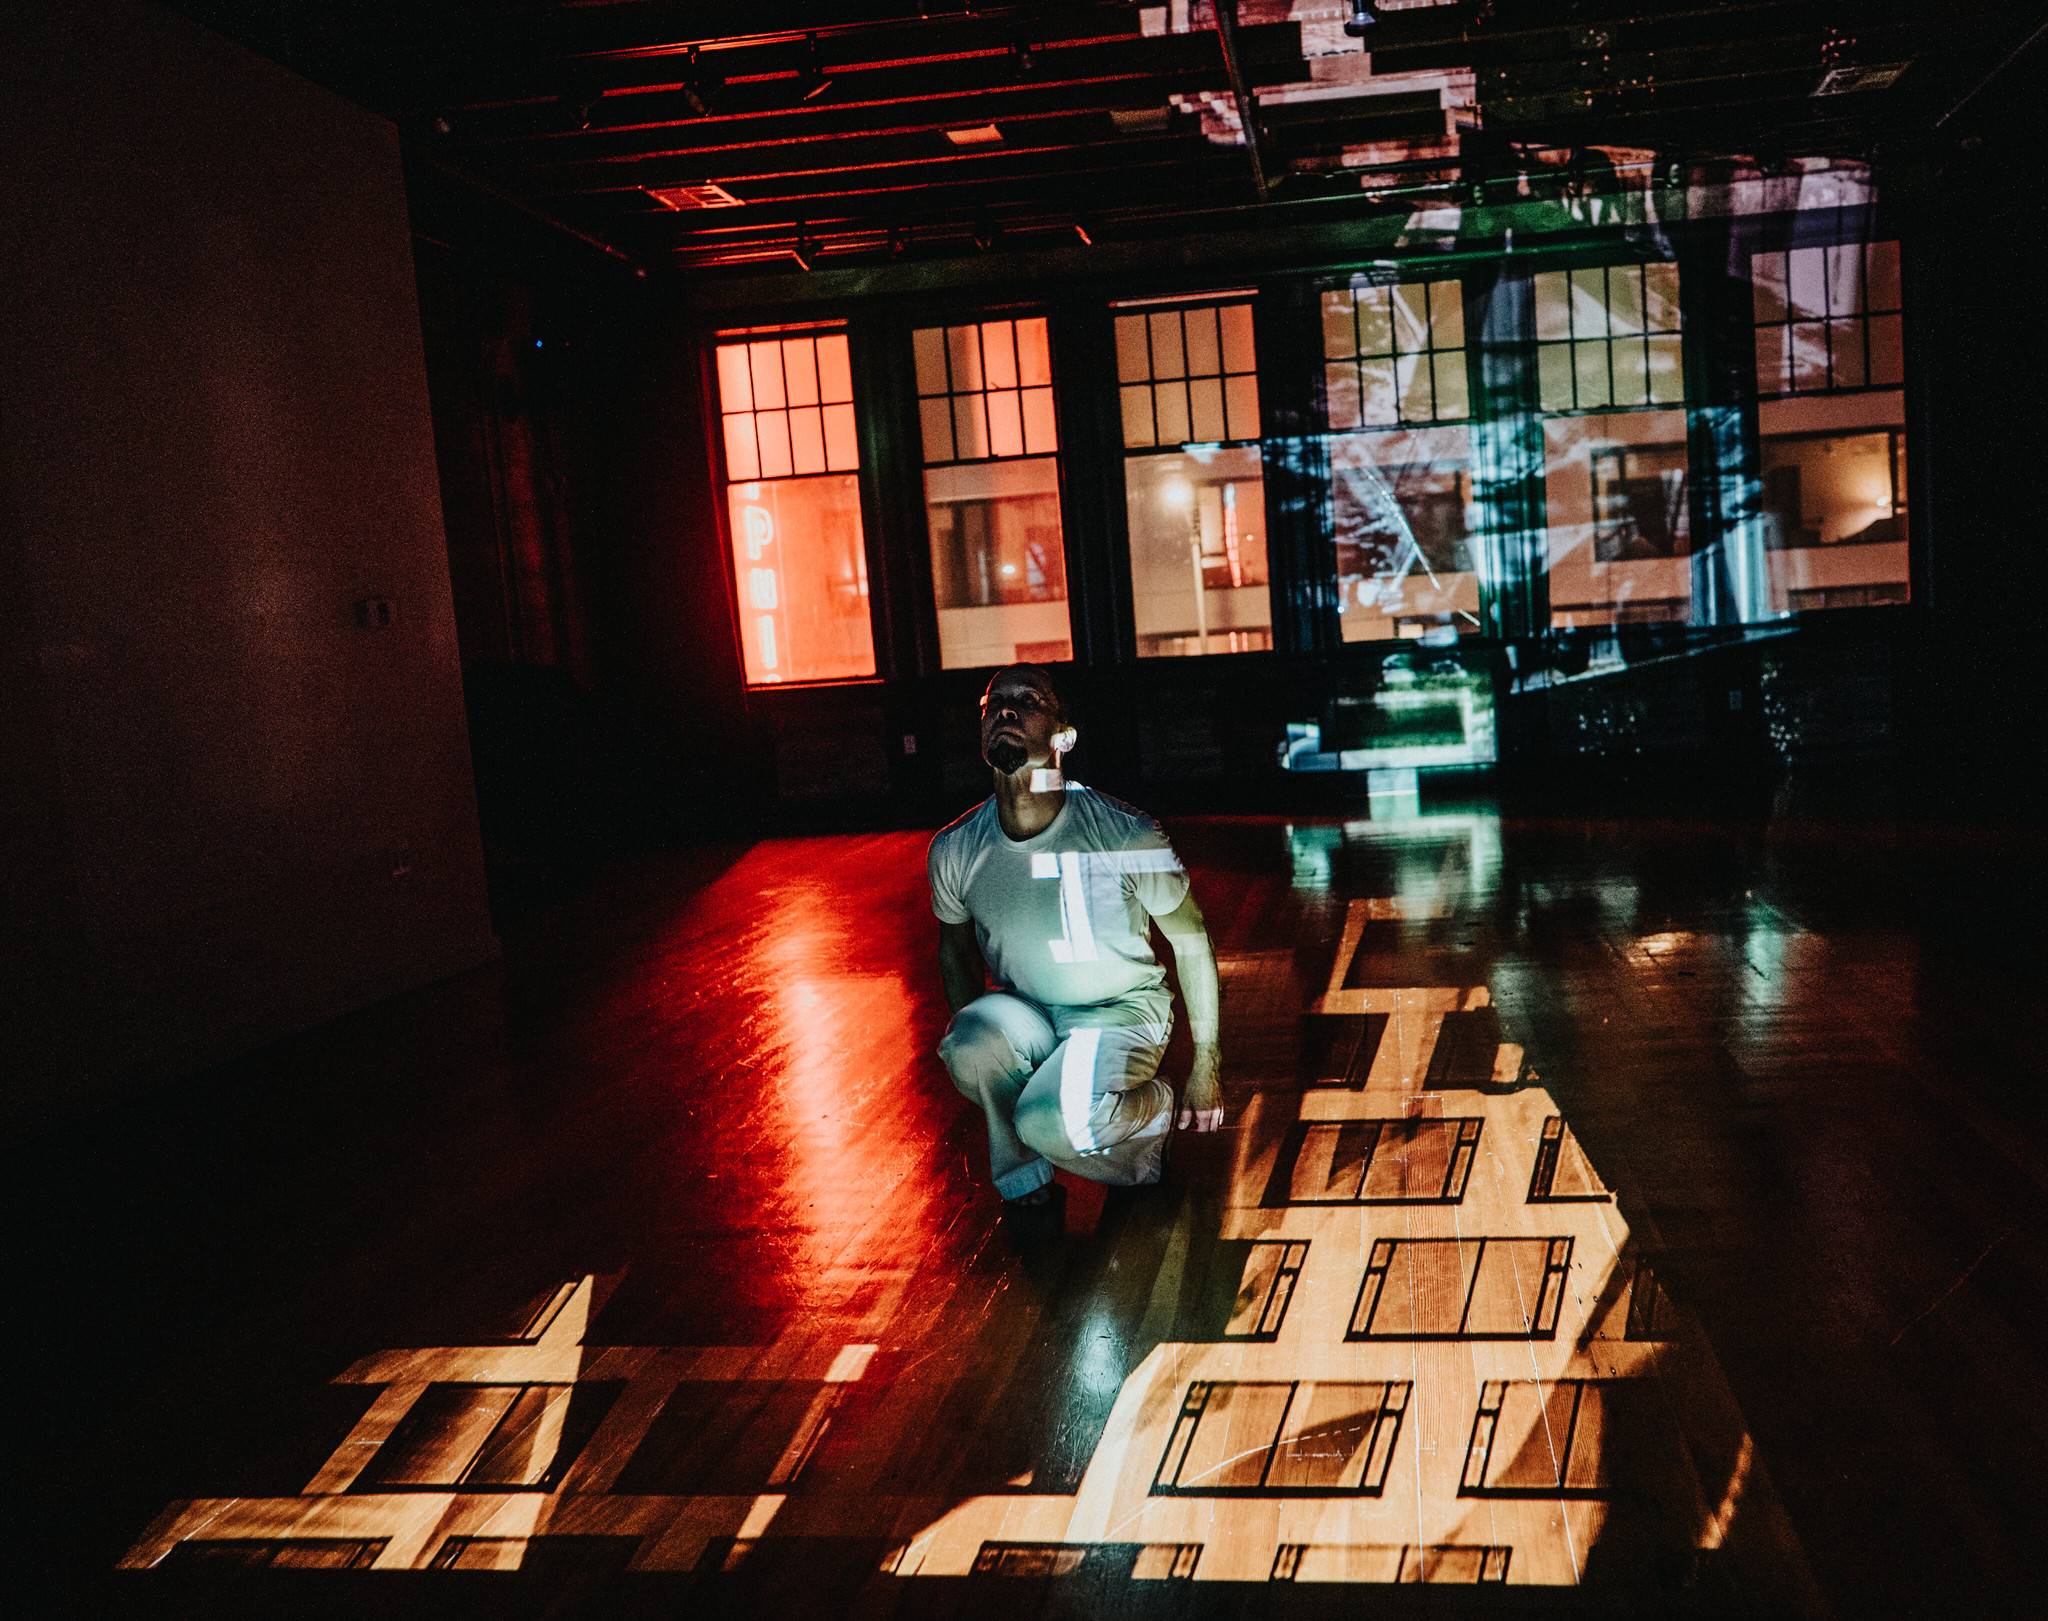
1048 890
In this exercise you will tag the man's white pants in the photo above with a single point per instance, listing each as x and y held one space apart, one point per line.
1076 1088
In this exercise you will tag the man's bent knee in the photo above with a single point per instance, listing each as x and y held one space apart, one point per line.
978 1054
1041 1129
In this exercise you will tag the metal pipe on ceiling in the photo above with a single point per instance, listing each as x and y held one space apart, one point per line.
1241 91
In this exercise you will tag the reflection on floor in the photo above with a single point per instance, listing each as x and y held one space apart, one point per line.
1445 1361
694 1238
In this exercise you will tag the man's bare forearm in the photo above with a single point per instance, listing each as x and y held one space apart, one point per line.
963 976
1195 963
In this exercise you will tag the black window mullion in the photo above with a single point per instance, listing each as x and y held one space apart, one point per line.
1607 320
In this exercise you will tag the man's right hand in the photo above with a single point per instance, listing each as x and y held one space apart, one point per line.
1201 1100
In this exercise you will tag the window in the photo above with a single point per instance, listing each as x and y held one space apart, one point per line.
1610 375
793 501
1394 354
1187 376
1194 489
1281 1438
1831 427
1827 319
1608 335
1401 488
992 492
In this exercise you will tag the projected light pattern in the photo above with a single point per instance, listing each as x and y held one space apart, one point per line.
1428 709
1452 1381
1088 880
1448 1359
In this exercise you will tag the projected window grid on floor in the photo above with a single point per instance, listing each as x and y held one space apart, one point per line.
1394 355
1607 336
730 1437
1102 1561
1562 1174
1282 1437
1828 319
484 1437
1543 1438
1194 482
1649 1312
1407 1160
1462 1288
791 461
1271 1272
1442 1564
278 1553
552 1554
992 492
1337 1049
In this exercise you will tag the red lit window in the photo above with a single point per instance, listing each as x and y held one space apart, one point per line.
793 500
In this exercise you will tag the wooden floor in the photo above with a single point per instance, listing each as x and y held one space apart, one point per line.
1610 1218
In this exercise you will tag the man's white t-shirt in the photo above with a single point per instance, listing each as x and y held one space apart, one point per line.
1064 917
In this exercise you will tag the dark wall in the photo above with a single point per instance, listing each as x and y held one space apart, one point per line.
233 807
1971 682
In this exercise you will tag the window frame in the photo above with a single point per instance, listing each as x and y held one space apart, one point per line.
1606 264
915 475
722 483
1783 237
1862 317
1257 300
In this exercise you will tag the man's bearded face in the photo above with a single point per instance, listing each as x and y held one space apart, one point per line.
1018 718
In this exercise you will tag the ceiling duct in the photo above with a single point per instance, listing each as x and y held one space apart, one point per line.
685 199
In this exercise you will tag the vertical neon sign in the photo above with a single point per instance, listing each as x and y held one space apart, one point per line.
764 580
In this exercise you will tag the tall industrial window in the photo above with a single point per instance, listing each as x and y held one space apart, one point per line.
992 492
1610 378
1607 335
1396 398
1193 486
1831 426
793 501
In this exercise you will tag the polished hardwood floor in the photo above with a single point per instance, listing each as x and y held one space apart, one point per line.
1613 1216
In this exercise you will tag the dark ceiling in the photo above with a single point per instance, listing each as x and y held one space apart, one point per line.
776 133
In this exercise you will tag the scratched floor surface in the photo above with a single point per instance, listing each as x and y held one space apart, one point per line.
1608 1218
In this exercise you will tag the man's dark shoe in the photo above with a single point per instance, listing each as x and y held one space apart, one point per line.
1040 1223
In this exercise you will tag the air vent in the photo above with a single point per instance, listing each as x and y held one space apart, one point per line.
685 198
1871 76
975 135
